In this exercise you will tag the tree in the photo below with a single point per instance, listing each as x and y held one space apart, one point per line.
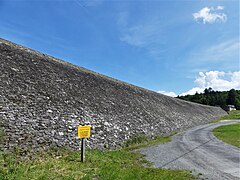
215 98
237 104
208 91
231 98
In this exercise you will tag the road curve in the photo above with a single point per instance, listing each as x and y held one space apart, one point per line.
200 151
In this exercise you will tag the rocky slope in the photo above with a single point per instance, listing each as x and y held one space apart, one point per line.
43 100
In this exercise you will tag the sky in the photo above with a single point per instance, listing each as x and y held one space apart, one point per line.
174 47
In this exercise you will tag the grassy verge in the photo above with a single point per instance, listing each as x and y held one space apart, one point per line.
232 115
141 141
229 134
65 164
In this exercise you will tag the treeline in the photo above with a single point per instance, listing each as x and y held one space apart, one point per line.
215 98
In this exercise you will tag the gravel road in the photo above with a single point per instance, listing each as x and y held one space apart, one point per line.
200 151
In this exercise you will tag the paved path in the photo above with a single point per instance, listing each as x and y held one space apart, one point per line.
198 150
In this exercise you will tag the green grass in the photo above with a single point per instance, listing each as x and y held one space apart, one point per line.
231 116
65 164
141 141
229 134
2 134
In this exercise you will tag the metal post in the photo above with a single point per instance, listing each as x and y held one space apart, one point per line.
82 149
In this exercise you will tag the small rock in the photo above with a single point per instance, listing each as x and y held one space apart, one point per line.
61 133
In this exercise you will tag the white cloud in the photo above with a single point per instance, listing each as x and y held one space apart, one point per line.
146 34
210 15
172 94
217 80
220 7
224 55
225 47
193 91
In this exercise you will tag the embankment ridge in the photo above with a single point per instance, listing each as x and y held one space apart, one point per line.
44 99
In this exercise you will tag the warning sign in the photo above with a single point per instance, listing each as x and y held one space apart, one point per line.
84 131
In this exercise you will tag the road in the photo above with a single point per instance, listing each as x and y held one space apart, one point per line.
198 150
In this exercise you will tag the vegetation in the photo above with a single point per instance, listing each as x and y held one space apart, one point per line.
141 140
65 164
233 115
2 135
229 134
215 98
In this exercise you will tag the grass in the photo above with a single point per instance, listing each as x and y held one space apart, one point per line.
231 116
65 164
229 134
2 134
141 141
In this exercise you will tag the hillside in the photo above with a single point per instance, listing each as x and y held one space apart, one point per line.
215 98
43 100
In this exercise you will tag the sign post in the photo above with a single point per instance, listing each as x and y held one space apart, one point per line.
83 132
82 149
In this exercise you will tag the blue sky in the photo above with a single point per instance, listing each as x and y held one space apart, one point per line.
166 46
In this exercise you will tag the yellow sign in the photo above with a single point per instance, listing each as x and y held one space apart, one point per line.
84 131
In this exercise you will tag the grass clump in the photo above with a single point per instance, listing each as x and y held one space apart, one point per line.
140 141
229 134
65 164
99 164
233 115
2 135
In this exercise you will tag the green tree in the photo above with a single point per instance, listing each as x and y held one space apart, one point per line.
215 98
232 96
208 91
